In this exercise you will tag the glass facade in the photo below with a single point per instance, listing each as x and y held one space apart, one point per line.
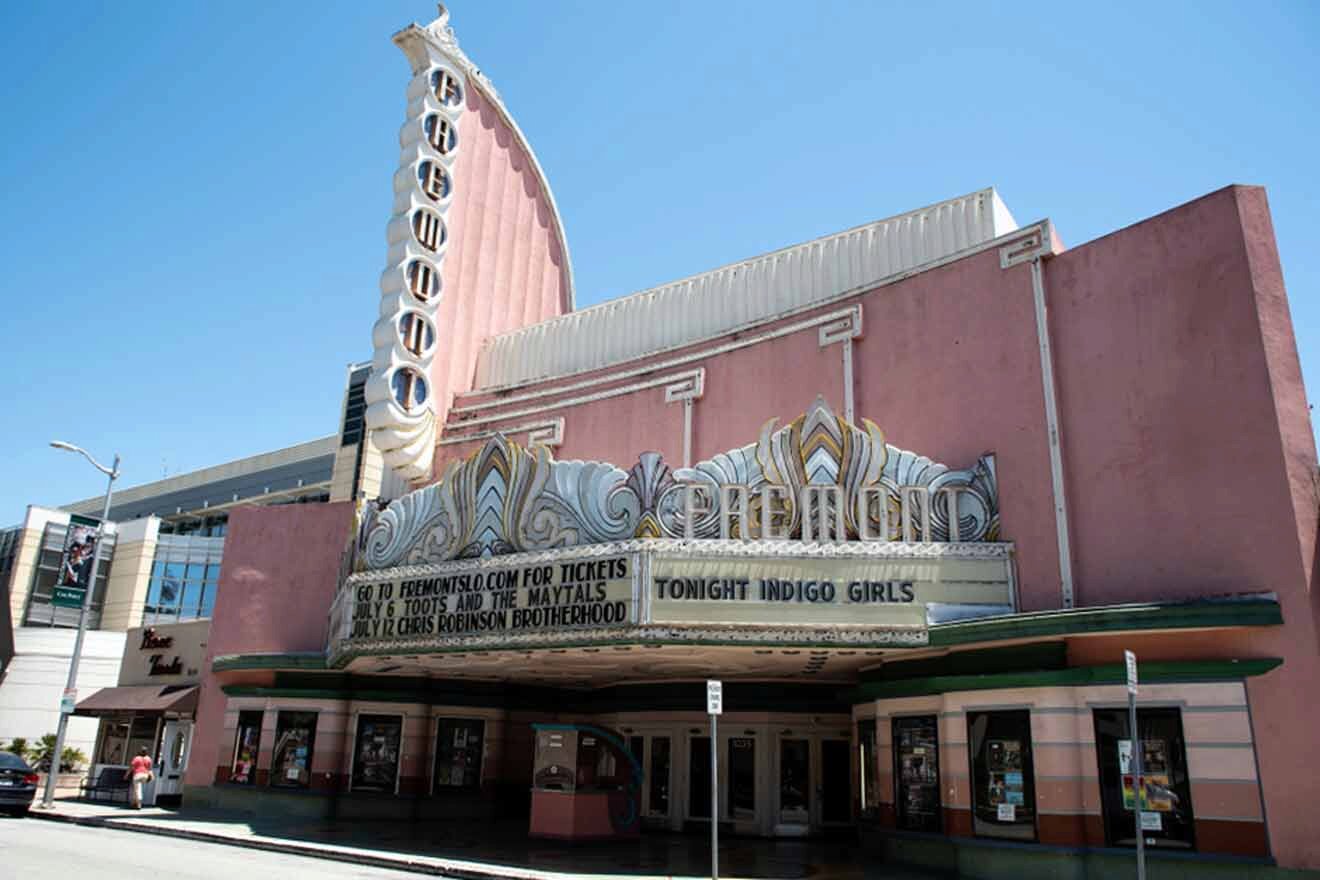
184 579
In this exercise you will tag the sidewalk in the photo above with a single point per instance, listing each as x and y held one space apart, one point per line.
482 851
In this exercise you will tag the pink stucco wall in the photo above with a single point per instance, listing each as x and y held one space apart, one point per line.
279 574
505 265
947 367
1187 443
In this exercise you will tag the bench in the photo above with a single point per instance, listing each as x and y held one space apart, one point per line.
111 782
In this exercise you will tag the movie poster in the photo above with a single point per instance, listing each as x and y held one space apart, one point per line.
79 550
1157 793
376 754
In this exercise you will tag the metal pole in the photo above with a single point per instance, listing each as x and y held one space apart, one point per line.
1138 785
48 799
714 802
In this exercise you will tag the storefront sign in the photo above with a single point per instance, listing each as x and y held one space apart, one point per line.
485 600
168 653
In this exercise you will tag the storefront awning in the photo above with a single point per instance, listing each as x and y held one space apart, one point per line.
141 699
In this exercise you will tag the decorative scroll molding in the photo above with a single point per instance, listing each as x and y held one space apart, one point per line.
508 499
403 424
545 432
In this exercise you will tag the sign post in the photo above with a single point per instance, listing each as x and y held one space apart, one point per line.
1139 786
715 708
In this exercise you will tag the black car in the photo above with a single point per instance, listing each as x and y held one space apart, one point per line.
18 784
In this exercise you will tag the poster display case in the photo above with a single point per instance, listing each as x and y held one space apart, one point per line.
376 753
1003 778
917 773
247 745
291 762
1166 798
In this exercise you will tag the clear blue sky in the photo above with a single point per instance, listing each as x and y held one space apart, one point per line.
193 196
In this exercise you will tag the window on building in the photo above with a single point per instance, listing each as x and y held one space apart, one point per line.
409 388
423 280
428 229
114 742
445 87
416 333
184 580
141 735
458 753
291 760
440 133
433 179
376 752
247 746
868 771
1003 779
1166 802
40 610
917 773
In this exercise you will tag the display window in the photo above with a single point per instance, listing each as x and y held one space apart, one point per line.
1166 798
868 771
247 745
114 741
376 751
458 752
291 762
917 773
742 778
1003 778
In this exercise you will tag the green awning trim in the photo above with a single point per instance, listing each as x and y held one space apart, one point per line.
1110 619
235 662
1183 672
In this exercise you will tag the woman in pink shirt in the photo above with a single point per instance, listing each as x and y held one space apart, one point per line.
139 774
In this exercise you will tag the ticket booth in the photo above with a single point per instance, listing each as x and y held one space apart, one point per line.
586 785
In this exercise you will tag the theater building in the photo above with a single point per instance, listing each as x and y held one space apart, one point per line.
909 490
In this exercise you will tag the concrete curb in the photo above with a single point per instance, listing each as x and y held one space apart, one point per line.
354 857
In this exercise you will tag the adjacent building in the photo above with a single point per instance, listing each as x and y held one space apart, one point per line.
159 563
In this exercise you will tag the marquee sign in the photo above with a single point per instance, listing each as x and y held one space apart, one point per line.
731 591
820 532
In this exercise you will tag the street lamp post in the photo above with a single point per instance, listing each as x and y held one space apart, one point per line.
48 798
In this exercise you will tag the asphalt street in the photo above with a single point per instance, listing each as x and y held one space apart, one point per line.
33 849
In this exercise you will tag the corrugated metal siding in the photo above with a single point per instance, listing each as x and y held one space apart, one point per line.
718 301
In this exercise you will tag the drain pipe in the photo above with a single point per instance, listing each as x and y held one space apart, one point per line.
1032 250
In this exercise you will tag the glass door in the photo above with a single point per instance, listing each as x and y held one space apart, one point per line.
835 781
176 741
794 786
741 780
917 773
699 777
657 766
